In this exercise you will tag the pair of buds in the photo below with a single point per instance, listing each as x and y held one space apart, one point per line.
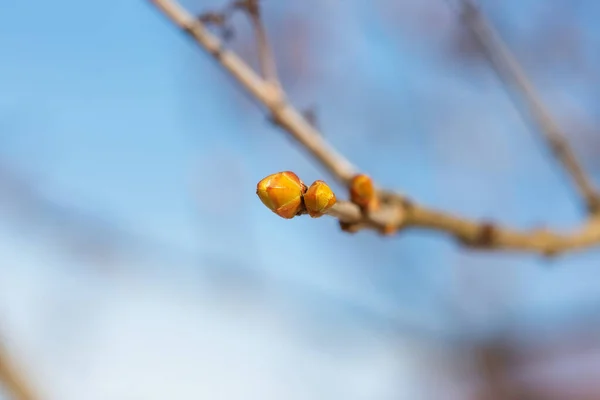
287 196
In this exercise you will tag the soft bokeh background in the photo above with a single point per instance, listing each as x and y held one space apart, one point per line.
137 263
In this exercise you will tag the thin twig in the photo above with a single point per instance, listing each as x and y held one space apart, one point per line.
510 71
397 212
13 379
268 66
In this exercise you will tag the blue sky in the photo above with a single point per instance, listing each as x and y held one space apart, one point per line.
112 112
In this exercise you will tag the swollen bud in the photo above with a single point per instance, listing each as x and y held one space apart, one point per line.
318 199
362 192
282 193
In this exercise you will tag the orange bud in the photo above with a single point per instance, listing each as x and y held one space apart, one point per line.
362 192
389 230
318 198
282 193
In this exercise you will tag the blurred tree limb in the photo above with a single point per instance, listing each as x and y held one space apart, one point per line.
396 212
13 379
511 72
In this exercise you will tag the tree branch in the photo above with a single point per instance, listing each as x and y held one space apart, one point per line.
12 379
510 71
282 113
475 234
396 212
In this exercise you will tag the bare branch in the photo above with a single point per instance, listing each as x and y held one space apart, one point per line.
508 69
12 378
282 113
475 234
396 212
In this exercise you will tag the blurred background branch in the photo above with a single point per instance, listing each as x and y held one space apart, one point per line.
509 69
13 379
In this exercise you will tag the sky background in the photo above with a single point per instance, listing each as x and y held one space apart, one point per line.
137 263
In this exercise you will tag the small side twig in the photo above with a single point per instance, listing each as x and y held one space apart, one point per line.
510 71
266 59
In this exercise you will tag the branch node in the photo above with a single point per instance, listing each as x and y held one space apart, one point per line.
219 20
310 115
484 237
350 227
